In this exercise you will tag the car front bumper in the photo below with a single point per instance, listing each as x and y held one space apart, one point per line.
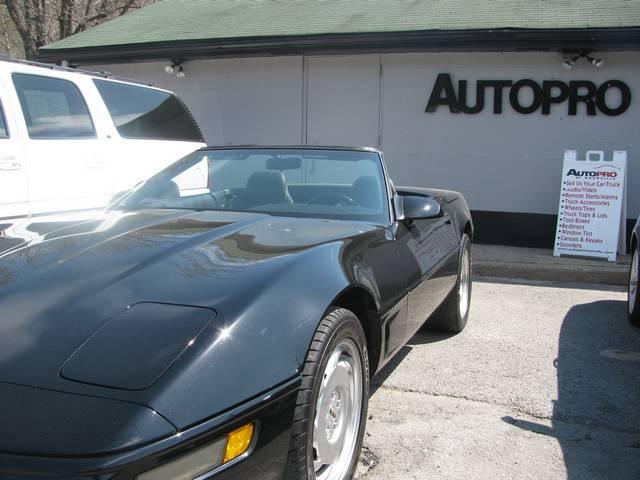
271 411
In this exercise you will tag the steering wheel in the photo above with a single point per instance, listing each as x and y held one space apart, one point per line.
331 198
215 200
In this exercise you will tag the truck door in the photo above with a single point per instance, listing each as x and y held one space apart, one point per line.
13 171
65 153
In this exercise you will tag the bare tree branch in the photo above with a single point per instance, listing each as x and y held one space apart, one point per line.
38 22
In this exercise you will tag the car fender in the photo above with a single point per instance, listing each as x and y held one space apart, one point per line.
258 344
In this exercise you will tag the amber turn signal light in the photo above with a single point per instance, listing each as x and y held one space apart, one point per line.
238 442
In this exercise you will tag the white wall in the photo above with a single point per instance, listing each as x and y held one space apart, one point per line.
343 100
508 162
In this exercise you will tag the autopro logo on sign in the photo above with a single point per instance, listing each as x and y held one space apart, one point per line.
594 97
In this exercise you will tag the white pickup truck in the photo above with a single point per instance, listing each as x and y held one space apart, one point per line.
69 140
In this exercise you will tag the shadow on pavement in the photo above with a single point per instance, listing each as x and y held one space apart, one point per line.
426 337
420 338
596 418
388 369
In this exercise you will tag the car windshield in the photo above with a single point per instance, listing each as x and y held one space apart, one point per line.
302 182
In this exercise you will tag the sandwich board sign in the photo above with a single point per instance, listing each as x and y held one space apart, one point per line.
592 207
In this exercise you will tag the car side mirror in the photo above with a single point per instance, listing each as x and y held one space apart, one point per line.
416 207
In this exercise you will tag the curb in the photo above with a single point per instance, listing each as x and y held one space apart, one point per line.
604 275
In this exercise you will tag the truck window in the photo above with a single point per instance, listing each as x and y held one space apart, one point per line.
53 108
146 113
3 126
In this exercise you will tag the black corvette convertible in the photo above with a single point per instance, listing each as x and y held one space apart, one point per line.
222 319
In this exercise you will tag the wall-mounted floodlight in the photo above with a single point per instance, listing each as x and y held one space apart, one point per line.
569 59
175 67
596 62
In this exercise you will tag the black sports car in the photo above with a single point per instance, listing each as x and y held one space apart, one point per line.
222 319
633 297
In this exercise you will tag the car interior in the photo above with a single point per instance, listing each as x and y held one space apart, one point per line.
268 190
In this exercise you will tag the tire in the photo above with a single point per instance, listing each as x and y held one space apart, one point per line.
339 342
633 296
451 316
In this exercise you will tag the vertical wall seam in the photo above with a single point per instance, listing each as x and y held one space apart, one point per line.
305 101
380 102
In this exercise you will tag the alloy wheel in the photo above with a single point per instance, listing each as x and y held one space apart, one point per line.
633 281
465 283
338 411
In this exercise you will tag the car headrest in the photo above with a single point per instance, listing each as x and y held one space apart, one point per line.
366 192
264 187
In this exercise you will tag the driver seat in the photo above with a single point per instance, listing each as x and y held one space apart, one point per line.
263 188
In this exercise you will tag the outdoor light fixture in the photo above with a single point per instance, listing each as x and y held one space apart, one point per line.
568 63
596 62
175 67
569 59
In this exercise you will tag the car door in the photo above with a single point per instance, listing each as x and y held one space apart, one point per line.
13 171
429 252
65 153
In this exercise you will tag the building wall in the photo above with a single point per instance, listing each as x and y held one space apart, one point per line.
253 101
508 162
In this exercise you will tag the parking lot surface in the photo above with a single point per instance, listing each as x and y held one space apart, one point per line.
544 383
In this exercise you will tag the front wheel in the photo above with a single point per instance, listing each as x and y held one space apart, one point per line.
452 315
633 301
331 408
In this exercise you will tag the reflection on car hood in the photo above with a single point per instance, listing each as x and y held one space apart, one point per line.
62 278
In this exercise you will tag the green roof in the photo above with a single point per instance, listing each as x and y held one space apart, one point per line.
202 20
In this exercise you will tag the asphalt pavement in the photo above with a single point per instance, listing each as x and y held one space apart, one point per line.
544 383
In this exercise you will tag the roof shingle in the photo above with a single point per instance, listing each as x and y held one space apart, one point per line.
193 20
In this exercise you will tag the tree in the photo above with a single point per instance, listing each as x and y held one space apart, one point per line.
10 42
39 22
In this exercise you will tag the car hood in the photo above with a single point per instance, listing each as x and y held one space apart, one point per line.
62 279
50 423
